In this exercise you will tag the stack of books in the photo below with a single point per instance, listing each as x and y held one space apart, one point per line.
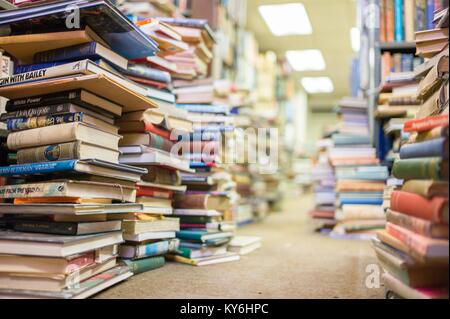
360 179
414 247
324 188
67 193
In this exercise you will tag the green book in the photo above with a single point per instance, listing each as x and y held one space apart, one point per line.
143 265
433 168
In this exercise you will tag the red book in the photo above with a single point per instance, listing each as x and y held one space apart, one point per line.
420 247
155 84
142 191
426 124
435 210
142 126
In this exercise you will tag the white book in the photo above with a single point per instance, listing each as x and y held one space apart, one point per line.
85 67
149 236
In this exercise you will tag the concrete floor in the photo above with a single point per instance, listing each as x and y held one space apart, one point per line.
294 262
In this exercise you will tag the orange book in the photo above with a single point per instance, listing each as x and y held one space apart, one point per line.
390 23
383 37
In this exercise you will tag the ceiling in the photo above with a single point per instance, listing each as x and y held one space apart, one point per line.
332 21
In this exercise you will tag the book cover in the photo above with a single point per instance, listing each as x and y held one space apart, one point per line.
26 123
418 225
144 265
426 188
433 168
435 209
433 148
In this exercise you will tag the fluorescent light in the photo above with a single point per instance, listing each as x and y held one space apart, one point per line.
286 19
356 39
318 85
306 60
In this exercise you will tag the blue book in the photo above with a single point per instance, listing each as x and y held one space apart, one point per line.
25 123
399 28
39 66
205 108
90 50
360 201
202 236
145 250
430 14
433 148
421 15
38 168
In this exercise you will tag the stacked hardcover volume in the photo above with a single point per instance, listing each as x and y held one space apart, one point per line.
414 248
67 195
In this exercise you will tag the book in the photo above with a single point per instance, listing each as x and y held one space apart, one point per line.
399 30
69 190
74 99
42 245
205 261
54 110
26 123
403 290
201 235
392 241
196 253
426 188
145 156
421 248
149 139
420 226
148 250
244 245
69 210
25 46
137 238
390 21
435 209
62 133
99 84
91 50
145 72
220 203
63 228
410 20
432 148
421 15
437 132
66 151
45 265
136 227
360 212
144 265
422 168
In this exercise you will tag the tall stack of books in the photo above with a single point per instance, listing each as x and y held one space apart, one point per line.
324 188
360 179
68 192
414 247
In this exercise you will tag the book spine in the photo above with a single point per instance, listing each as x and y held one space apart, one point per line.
399 25
154 249
144 265
26 123
409 20
417 247
49 153
43 227
33 190
430 14
416 225
432 148
418 206
86 50
148 73
78 67
383 26
390 21
158 142
418 169
43 136
38 168
421 15
37 111
153 193
151 128
426 124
